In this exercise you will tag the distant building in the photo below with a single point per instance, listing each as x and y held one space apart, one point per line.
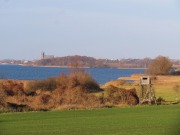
44 56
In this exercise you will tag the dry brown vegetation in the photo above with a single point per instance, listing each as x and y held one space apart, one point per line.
74 91
115 96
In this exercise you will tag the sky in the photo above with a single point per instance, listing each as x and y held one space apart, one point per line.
112 29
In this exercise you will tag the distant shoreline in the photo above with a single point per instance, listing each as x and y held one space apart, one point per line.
67 66
81 67
55 66
133 68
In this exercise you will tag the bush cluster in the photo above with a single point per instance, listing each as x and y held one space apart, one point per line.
75 79
72 91
115 96
11 88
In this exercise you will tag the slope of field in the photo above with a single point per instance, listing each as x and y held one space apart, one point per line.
143 120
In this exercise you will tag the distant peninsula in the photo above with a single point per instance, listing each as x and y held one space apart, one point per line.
90 62
77 61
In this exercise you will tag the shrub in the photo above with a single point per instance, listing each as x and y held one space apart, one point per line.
115 95
29 88
160 100
12 88
73 81
77 79
58 95
2 98
47 84
81 98
84 80
62 81
132 98
41 102
75 98
44 98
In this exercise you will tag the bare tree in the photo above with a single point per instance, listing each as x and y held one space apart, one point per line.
160 66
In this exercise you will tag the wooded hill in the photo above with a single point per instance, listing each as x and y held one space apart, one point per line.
84 61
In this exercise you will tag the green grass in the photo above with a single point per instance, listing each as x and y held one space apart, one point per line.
167 92
145 120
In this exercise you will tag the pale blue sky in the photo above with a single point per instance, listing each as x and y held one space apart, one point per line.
98 28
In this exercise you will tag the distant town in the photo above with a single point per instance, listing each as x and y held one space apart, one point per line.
85 61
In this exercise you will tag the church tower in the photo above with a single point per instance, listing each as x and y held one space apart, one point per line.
42 55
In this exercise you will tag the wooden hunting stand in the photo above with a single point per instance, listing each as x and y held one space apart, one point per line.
147 94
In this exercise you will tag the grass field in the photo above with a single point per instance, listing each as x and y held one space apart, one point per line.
139 120
164 86
167 92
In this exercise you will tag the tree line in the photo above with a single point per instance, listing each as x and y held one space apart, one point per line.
84 61
161 65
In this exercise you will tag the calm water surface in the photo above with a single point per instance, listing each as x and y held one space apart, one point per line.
102 75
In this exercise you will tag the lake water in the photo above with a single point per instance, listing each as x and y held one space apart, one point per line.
101 75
